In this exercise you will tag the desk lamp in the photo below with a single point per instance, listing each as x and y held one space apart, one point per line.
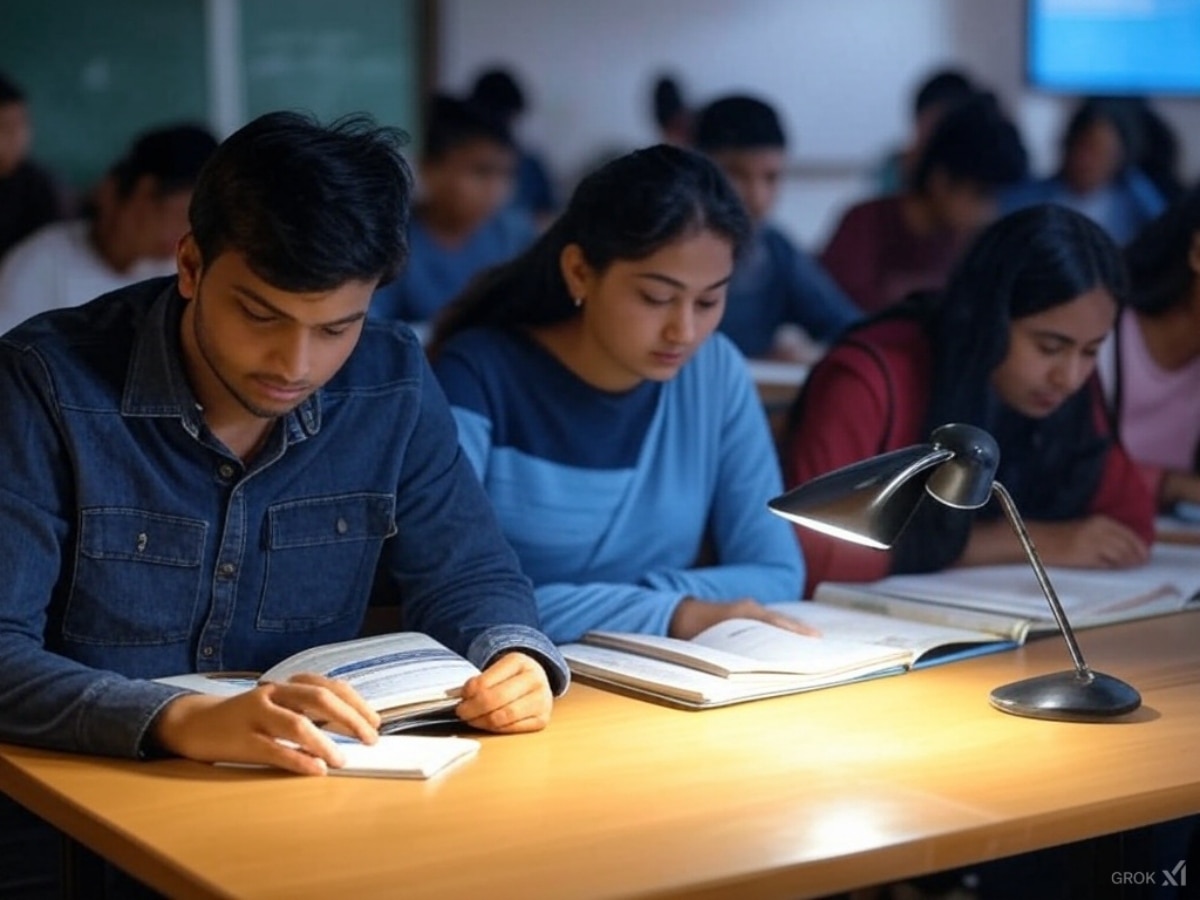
870 502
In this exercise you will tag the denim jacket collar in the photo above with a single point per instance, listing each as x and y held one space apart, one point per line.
156 384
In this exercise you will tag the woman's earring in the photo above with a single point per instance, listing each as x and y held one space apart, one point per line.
578 301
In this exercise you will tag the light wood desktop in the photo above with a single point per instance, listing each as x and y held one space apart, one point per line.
794 797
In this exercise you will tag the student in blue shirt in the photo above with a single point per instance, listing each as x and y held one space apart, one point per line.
775 283
621 442
461 224
210 472
1098 173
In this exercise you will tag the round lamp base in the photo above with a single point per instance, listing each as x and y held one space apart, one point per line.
1069 696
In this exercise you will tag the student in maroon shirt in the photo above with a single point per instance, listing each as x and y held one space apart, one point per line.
888 247
1010 345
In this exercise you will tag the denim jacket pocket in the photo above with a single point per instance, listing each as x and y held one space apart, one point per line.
321 558
137 578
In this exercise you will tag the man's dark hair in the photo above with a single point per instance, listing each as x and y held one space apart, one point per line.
497 91
974 142
738 123
10 91
450 123
172 155
945 88
311 207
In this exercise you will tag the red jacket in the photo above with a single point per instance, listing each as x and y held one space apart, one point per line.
870 395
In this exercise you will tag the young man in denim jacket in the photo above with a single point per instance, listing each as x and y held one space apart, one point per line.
209 472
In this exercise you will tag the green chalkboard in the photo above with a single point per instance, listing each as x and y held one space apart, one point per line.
99 72
332 57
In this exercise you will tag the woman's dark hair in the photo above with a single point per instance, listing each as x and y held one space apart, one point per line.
667 103
1114 111
626 210
1025 263
1160 270
738 122
451 123
1030 261
311 207
497 90
944 88
974 142
172 155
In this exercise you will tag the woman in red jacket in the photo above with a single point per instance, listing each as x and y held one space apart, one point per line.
1009 345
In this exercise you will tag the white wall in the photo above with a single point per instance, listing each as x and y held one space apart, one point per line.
840 71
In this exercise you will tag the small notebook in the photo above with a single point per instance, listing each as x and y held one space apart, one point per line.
396 756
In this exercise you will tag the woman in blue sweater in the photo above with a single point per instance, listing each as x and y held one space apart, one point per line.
621 441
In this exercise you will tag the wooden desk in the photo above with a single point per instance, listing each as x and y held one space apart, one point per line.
793 797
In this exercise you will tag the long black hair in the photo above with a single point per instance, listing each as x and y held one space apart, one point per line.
1027 262
1160 271
626 210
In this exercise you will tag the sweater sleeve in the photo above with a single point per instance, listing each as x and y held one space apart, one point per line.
844 419
757 555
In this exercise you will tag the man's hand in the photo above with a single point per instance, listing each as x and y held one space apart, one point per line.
248 728
693 615
511 695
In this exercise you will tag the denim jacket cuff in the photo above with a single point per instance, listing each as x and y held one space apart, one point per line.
502 638
118 717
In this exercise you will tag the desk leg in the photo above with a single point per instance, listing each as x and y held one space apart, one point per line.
82 872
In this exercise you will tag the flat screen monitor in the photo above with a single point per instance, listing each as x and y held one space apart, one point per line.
1113 46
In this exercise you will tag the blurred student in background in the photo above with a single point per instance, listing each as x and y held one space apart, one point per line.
497 91
460 224
936 96
672 115
774 282
29 196
1010 346
885 248
1098 175
139 215
1151 366
619 439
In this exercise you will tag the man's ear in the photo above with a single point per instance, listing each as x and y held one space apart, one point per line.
188 265
576 271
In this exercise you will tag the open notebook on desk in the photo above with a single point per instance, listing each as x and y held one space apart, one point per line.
732 662
1007 600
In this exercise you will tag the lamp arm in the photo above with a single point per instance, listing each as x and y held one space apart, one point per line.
1060 615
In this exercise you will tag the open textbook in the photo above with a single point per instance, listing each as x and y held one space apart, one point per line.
731 662
408 678
1007 601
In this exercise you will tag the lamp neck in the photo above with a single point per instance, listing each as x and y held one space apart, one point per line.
1060 615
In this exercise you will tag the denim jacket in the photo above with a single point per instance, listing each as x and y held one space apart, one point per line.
135 545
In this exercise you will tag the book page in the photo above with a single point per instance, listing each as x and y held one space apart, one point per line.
668 680
867 598
807 655
695 655
388 670
918 639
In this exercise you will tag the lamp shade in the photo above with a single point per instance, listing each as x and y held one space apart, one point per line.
870 502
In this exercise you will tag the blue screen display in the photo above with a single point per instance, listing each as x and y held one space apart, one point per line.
1114 46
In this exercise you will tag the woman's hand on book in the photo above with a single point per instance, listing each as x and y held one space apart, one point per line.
693 615
511 695
249 727
1096 542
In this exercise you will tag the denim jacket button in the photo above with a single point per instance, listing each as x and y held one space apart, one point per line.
225 471
226 569
207 652
342 526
